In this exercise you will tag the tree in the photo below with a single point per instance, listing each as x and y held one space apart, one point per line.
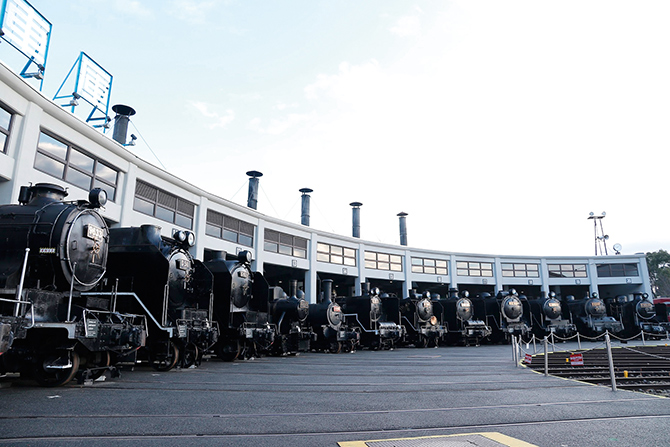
658 263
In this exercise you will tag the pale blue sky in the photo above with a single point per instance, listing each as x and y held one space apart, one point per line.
497 125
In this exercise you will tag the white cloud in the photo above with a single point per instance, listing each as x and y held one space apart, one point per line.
407 26
132 7
219 120
279 126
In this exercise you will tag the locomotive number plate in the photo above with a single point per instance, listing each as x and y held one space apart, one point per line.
95 233
183 264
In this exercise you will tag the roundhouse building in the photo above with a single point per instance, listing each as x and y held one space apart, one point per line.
42 142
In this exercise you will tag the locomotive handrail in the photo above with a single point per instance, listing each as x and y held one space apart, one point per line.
359 322
32 309
19 291
169 330
410 323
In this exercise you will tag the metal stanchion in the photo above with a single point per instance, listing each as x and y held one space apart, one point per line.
546 357
579 342
643 343
609 358
515 351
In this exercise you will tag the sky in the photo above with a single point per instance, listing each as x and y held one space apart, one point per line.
496 125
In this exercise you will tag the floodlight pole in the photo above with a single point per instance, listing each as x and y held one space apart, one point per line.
602 237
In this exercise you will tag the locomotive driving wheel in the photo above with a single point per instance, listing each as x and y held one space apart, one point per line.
191 356
229 351
100 359
335 347
162 360
56 368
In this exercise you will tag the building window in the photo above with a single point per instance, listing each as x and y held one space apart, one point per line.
66 162
335 254
383 261
5 126
617 270
567 271
429 266
468 268
163 205
510 270
285 244
229 228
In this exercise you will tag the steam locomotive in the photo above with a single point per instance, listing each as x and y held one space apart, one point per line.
375 316
157 277
423 328
548 317
52 253
638 314
590 316
241 307
457 314
289 314
507 313
327 321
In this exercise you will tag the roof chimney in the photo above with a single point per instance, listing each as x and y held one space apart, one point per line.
403 228
304 215
356 219
252 200
121 120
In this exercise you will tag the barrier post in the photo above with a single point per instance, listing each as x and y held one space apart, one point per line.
546 357
579 342
610 360
643 343
514 351
534 345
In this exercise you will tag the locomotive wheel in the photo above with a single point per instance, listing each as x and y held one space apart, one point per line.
50 371
335 347
98 359
166 361
190 356
229 351
423 342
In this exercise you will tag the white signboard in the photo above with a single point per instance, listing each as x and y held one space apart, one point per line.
93 83
26 29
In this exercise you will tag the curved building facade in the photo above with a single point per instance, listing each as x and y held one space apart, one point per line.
42 142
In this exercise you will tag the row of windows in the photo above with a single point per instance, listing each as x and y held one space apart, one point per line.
429 266
520 270
66 162
163 205
567 270
229 228
285 244
469 268
334 254
383 261
616 270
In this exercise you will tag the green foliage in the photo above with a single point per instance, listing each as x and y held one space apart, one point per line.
658 263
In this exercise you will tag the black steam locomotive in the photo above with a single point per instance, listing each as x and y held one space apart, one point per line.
423 328
590 316
549 317
289 314
327 321
638 314
241 307
507 313
375 316
51 254
156 276
457 314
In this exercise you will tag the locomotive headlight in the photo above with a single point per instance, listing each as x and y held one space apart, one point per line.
97 197
433 320
190 238
180 236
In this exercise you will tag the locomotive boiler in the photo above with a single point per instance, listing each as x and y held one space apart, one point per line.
548 317
241 307
328 323
52 253
373 315
456 314
423 328
157 277
590 316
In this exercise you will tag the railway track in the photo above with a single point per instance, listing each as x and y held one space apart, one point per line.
645 369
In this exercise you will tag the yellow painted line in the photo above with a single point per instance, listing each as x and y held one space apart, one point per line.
494 436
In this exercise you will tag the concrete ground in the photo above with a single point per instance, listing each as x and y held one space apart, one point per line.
324 399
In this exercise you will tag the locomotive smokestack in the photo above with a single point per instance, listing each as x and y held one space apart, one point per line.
252 200
356 219
403 228
121 120
293 288
304 215
327 289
